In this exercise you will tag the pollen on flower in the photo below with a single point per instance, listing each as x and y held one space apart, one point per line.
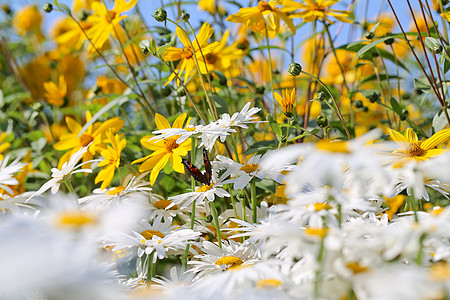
190 128
187 52
356 268
86 139
263 6
170 144
149 234
337 146
76 219
268 283
231 261
320 232
162 204
320 206
414 150
205 188
116 191
249 168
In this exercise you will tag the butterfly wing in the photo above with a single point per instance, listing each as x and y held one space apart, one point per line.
194 172
208 170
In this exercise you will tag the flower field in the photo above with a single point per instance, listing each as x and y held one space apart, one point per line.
283 149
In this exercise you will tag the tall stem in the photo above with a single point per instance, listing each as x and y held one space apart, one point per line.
271 72
216 223
253 193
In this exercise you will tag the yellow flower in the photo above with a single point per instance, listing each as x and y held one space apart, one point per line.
82 4
222 57
94 133
164 149
106 22
3 145
68 35
264 15
394 204
316 10
287 102
211 6
28 19
35 73
186 55
111 159
55 94
411 148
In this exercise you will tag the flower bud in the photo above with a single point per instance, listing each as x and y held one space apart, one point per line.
209 218
181 92
322 121
260 89
404 115
295 69
97 90
321 96
160 14
369 35
6 9
185 16
374 97
389 41
48 7
83 15
358 104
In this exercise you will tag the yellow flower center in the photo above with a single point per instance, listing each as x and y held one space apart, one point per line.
321 206
249 168
320 232
268 283
205 188
190 128
170 144
162 204
414 150
337 146
263 6
76 219
116 190
317 7
356 268
231 261
149 234
187 52
86 139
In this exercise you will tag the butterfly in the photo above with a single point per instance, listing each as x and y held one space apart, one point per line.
204 178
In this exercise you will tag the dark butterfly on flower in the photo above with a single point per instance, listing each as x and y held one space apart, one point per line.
202 177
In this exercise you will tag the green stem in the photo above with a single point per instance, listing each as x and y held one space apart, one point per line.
253 194
69 186
420 251
336 110
317 279
271 72
150 268
216 223
186 251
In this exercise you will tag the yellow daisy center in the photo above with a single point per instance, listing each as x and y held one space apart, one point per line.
211 58
75 219
263 6
190 128
249 168
162 204
170 144
231 261
205 188
356 268
149 234
268 283
187 52
414 150
320 232
321 206
116 190
86 139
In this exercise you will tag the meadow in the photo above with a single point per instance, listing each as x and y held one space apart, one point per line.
236 149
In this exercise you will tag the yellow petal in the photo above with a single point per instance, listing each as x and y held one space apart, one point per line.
161 122
411 136
179 121
436 139
398 137
158 167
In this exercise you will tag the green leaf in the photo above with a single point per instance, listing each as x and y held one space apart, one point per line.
163 49
368 47
439 120
395 106
275 126
221 105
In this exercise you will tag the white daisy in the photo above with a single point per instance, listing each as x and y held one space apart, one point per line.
7 172
214 259
67 169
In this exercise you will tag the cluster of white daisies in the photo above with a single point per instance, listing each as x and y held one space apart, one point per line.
328 236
